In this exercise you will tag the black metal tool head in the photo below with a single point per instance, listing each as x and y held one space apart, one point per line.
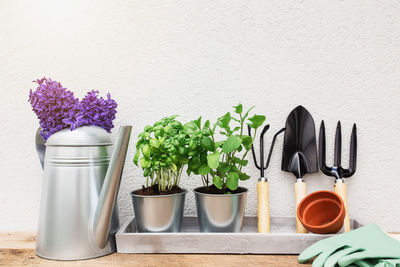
337 170
261 167
299 154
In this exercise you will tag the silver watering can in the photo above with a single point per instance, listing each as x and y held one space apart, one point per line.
78 209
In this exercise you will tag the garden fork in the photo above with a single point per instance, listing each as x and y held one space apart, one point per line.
263 185
337 170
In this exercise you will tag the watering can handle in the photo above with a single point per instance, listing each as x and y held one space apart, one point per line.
40 147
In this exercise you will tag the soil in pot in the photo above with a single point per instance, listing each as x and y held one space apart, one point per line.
214 190
153 191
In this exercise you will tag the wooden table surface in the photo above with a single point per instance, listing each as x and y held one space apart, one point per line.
17 249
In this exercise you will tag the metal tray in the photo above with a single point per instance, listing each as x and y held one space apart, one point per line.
283 239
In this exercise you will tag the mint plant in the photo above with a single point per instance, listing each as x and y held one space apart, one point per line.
164 151
220 163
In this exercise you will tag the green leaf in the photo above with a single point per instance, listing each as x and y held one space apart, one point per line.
247 113
148 128
139 143
206 131
232 181
217 181
237 128
256 121
243 176
190 127
247 141
231 144
145 163
206 125
192 144
136 158
213 160
146 151
240 161
207 143
146 172
144 135
219 144
224 120
198 122
223 167
182 151
238 108
204 169
154 143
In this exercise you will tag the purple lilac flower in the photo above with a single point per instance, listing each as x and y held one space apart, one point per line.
57 108
51 102
98 111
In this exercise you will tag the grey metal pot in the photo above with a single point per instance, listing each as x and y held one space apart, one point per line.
162 213
220 213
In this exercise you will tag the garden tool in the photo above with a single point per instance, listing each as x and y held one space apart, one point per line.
337 170
299 154
263 185
367 244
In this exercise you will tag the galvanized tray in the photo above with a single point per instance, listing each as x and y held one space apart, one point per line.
283 239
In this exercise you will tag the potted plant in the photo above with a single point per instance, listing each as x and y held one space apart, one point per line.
158 206
221 202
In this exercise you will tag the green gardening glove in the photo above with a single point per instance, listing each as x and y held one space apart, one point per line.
368 242
378 263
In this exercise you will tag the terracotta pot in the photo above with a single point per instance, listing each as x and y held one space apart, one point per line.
322 212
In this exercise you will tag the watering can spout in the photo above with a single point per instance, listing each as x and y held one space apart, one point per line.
109 190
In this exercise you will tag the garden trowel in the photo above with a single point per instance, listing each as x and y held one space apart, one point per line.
299 154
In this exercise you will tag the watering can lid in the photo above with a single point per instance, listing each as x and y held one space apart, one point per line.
81 136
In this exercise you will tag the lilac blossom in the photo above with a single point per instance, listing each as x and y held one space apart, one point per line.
98 111
57 108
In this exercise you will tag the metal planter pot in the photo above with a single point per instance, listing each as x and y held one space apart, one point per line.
162 213
220 213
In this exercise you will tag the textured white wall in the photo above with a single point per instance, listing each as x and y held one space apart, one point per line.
340 59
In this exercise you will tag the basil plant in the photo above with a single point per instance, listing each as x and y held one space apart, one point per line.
220 163
163 147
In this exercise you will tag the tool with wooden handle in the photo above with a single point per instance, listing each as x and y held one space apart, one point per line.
299 155
263 185
300 190
337 170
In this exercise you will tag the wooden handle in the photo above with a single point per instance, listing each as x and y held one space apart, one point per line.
263 207
341 190
300 191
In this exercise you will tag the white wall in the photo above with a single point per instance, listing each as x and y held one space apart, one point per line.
340 59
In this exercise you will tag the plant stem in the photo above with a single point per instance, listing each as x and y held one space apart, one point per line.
247 151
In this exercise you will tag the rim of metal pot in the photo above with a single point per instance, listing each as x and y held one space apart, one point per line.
184 191
221 195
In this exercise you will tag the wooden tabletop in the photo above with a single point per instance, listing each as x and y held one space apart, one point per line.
17 249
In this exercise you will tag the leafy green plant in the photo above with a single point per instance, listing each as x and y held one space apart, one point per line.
164 151
221 162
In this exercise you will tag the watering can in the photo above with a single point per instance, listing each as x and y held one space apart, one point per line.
78 209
